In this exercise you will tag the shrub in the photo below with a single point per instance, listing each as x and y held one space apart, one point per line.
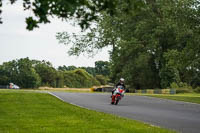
174 85
79 78
181 87
102 79
183 90
197 90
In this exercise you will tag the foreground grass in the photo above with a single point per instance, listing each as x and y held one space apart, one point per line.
192 97
30 112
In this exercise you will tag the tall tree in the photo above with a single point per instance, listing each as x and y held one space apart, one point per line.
84 11
153 46
102 68
20 72
47 73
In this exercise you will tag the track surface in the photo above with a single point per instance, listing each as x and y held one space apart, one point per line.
180 116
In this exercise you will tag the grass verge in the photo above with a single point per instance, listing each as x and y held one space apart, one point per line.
27 111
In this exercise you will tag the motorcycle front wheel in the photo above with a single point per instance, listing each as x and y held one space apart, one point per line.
117 100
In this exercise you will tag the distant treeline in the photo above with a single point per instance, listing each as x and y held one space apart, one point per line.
33 73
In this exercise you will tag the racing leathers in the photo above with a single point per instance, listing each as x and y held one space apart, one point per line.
118 84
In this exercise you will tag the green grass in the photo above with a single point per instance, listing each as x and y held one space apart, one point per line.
191 97
31 112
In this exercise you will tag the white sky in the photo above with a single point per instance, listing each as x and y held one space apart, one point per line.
16 42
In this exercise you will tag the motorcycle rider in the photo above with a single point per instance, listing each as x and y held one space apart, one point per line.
120 83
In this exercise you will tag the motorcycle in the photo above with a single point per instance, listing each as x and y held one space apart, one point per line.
117 95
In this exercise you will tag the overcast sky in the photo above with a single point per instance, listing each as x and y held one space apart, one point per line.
41 44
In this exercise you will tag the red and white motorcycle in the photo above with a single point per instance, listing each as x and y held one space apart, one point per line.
117 95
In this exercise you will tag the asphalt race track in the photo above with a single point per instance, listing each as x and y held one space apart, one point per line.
180 116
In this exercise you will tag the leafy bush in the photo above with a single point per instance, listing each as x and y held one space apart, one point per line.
197 90
102 79
79 78
181 87
183 90
174 85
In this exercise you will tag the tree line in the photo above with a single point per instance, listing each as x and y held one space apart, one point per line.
155 43
33 73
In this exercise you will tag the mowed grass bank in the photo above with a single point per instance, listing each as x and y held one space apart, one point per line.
30 112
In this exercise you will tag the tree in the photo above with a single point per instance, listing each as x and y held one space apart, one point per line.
102 68
27 77
160 41
20 72
90 70
85 11
47 73
4 78
152 39
59 79
79 78
102 79
66 68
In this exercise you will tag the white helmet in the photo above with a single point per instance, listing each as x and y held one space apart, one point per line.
121 79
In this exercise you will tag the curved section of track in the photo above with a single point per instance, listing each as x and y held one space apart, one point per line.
180 116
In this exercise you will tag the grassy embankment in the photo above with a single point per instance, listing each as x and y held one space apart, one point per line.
28 111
